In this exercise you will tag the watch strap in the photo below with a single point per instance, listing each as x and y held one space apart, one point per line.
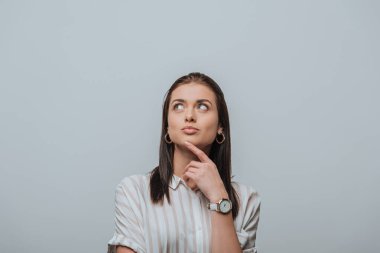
213 206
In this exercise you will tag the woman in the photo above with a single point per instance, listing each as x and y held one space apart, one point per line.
188 202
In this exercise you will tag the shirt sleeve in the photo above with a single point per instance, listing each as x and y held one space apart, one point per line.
128 219
250 204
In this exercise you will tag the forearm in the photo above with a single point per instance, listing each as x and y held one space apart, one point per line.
122 249
224 238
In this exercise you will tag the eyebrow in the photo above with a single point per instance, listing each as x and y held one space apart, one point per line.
198 101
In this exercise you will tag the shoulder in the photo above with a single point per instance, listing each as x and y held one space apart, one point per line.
244 190
135 183
132 191
248 196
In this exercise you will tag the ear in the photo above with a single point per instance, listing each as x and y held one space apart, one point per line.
220 129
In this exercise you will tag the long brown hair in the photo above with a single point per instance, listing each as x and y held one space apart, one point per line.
220 154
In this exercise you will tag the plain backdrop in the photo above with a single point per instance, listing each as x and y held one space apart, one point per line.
81 89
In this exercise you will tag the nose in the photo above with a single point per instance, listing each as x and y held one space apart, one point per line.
189 116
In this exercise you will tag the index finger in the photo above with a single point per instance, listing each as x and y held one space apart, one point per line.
199 153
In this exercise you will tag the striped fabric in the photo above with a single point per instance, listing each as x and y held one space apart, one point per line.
180 227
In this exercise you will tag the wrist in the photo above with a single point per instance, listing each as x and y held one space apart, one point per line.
217 196
223 206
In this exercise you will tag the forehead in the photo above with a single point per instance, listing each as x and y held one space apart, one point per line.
193 92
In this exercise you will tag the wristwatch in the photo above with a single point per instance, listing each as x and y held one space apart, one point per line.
224 206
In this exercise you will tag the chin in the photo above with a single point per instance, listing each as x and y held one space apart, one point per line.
197 142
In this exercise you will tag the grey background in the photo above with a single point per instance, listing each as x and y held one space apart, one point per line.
81 89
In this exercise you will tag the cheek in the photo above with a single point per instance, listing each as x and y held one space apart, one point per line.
172 121
213 121
212 124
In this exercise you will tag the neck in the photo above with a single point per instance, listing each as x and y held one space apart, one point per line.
182 157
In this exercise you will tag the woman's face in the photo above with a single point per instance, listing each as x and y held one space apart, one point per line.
193 115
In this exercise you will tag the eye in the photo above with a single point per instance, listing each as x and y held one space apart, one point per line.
203 107
178 106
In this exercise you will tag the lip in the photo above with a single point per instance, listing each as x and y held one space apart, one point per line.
190 127
190 130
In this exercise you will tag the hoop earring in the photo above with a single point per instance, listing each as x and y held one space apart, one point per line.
166 139
218 141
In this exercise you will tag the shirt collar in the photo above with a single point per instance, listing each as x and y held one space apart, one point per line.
174 182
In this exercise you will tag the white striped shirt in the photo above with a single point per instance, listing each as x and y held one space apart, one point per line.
184 226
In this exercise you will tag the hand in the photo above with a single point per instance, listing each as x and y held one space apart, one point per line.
204 176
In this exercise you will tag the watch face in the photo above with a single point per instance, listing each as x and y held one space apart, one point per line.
225 206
